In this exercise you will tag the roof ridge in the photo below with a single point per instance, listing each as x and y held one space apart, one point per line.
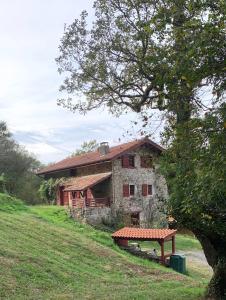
95 157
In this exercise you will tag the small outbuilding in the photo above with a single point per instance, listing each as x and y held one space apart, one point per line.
122 236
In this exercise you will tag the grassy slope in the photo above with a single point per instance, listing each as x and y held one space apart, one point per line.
43 255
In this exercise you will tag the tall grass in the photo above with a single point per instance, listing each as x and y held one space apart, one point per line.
11 204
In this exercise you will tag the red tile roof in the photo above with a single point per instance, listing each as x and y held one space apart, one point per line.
143 234
84 182
95 157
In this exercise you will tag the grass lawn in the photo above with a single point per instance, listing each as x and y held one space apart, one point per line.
45 255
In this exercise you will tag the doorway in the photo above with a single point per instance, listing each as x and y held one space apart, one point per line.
135 219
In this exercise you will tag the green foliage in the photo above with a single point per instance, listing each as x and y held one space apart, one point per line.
2 183
11 204
48 189
18 167
46 255
194 166
86 147
195 169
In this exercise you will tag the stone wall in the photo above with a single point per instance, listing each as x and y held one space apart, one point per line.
147 206
94 215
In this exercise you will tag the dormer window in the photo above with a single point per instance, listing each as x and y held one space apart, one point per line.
128 161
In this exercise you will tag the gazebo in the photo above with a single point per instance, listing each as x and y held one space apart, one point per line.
122 236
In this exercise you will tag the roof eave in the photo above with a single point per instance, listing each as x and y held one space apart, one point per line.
90 185
74 166
141 142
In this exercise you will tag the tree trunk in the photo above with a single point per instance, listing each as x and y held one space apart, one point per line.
217 286
214 249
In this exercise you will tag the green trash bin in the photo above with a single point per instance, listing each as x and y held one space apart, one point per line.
178 263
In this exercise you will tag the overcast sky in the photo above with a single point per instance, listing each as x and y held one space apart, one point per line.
30 32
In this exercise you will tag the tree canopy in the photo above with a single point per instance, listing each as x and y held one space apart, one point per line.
144 54
17 168
86 147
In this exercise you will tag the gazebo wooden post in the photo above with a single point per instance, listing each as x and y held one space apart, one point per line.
173 245
162 251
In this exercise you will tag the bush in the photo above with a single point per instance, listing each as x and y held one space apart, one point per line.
11 204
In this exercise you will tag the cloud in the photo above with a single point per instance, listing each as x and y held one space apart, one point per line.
30 34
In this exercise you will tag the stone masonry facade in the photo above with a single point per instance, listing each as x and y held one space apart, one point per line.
146 206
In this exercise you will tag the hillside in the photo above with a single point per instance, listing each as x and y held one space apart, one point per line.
44 255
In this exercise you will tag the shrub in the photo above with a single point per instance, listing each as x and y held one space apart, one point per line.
11 204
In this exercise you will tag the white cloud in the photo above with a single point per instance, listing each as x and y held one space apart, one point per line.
42 149
30 34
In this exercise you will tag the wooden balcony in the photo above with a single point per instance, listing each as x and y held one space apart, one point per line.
98 202
91 202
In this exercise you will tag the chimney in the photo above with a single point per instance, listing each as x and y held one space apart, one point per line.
103 149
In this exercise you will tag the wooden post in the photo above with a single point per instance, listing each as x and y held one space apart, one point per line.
173 245
162 252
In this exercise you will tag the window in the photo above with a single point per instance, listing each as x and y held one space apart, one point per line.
128 161
131 161
128 190
132 190
146 162
149 189
73 194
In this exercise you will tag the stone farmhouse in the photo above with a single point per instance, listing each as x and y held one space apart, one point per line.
122 180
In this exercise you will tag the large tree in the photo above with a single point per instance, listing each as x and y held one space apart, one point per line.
142 55
194 166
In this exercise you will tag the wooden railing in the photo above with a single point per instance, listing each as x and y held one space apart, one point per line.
91 202
98 202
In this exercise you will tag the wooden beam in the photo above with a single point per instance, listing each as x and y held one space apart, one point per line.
162 252
173 245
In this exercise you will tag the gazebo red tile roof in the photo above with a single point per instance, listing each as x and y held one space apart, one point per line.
122 236
143 234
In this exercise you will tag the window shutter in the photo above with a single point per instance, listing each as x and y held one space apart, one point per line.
125 161
125 190
144 190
